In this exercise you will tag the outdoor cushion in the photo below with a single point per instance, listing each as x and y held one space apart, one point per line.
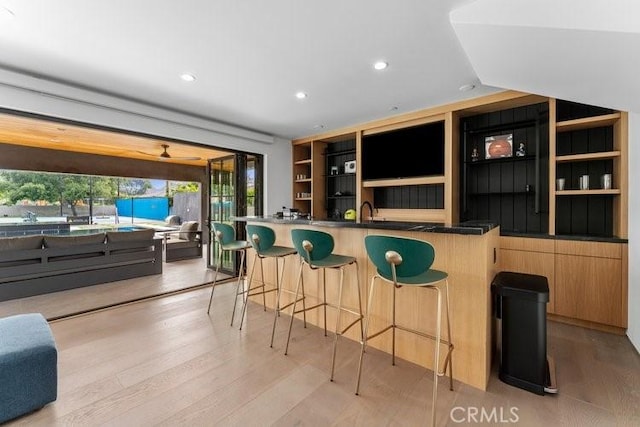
172 220
9 245
22 243
188 230
69 241
130 236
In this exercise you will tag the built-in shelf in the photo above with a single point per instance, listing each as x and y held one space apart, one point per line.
603 155
340 197
425 180
587 122
594 192
303 198
303 162
340 175
593 144
303 180
499 160
339 153
500 193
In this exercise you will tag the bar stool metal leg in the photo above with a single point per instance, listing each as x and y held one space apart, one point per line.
436 358
242 257
293 310
335 339
215 279
365 333
360 317
448 361
245 299
278 301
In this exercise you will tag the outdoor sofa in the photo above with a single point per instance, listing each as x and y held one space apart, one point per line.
185 243
37 264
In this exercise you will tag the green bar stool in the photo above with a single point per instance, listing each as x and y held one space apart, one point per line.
225 236
407 262
263 240
315 249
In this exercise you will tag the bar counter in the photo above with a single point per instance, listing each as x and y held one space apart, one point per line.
467 252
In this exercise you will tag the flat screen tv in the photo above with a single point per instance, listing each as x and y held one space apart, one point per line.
404 153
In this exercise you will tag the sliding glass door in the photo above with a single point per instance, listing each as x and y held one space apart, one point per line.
235 189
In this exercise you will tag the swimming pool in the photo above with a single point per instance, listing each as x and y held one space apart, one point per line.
62 229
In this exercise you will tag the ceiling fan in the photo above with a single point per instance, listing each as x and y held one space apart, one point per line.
166 156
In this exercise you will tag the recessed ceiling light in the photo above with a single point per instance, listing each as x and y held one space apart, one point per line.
318 126
187 77
466 88
301 95
380 65
394 108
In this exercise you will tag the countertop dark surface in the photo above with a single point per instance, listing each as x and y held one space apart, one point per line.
577 237
470 228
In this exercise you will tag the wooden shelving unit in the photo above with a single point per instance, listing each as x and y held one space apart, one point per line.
588 192
424 180
588 156
587 279
593 144
587 122
305 166
340 187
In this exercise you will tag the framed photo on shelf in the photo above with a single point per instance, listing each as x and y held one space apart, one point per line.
498 146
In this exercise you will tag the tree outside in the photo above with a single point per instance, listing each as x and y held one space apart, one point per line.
67 190
70 192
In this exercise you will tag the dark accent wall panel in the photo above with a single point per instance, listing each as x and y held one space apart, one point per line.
585 216
410 197
566 110
585 141
504 190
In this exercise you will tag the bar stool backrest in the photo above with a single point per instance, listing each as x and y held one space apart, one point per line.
225 234
322 244
266 237
417 255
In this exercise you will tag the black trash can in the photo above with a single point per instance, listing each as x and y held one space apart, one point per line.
520 302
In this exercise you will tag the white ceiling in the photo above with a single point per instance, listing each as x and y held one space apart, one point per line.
250 57
582 50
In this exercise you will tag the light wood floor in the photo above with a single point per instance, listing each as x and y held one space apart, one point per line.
166 362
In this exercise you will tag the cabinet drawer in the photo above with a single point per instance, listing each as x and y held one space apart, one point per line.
589 288
527 244
590 249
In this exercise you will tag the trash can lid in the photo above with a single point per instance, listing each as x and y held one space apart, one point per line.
521 285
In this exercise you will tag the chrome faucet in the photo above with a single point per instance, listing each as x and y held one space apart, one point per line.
366 203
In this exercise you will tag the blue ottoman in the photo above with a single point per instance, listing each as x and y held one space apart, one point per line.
28 365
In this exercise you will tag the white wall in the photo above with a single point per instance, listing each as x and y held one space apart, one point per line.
634 230
27 94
